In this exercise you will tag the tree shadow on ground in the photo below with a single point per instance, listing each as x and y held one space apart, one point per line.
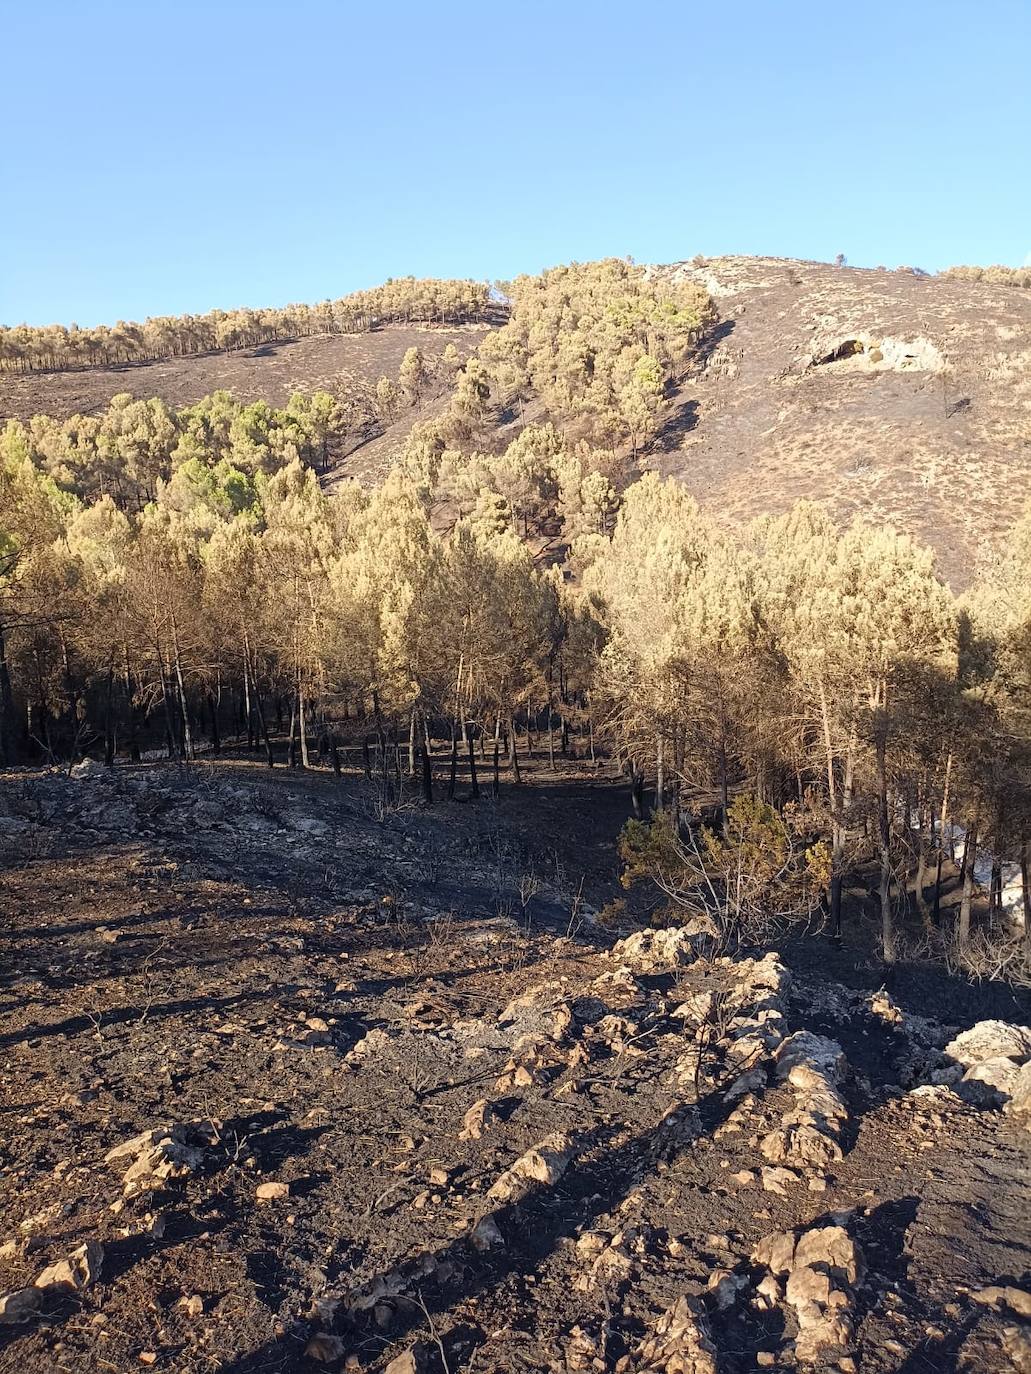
533 1227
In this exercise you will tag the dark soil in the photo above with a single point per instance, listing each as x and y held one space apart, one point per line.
206 948
338 363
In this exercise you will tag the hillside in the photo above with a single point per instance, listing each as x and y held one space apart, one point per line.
339 363
900 397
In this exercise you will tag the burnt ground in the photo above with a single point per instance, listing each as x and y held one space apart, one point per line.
205 949
339 363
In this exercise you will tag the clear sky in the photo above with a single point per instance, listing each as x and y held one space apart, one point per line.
164 157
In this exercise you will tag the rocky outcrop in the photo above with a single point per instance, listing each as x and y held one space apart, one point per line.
680 1342
808 1137
814 1274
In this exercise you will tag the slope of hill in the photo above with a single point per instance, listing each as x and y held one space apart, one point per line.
340 363
901 397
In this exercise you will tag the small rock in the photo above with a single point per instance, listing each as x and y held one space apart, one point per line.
19 1306
411 1362
272 1191
324 1347
995 1296
486 1235
778 1180
78 1271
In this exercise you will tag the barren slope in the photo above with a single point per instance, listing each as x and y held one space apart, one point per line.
933 435
285 1084
339 363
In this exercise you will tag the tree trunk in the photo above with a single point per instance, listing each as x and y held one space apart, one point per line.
660 774
473 781
995 890
427 776
969 859
216 739
303 727
884 827
637 792
109 735
513 753
269 757
453 775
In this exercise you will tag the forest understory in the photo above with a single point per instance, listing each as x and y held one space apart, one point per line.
291 1081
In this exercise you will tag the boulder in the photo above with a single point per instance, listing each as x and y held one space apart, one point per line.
991 1082
658 951
990 1040
1019 1105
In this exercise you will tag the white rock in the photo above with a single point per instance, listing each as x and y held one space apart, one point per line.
990 1040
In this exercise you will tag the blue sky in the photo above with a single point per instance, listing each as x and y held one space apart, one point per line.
167 157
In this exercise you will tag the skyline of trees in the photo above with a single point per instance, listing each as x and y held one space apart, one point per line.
36 348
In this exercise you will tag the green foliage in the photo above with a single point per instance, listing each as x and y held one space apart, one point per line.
29 348
761 873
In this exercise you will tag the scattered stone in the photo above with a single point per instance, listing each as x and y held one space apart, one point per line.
79 1271
1019 1105
808 1135
272 1191
324 1348
1015 1299
821 1267
990 1040
656 951
723 1288
19 1306
413 1361
158 1156
778 1180
486 1235
544 1163
476 1120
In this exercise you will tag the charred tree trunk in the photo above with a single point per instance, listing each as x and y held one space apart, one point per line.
884 828
969 859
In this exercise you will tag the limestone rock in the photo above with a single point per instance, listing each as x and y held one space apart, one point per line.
486 1235
476 1120
79 1271
1016 1300
272 1191
544 1163
324 1347
680 1343
1019 1105
990 1040
412 1361
657 951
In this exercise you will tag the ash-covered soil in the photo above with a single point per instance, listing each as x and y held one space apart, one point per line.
288 1084
344 364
